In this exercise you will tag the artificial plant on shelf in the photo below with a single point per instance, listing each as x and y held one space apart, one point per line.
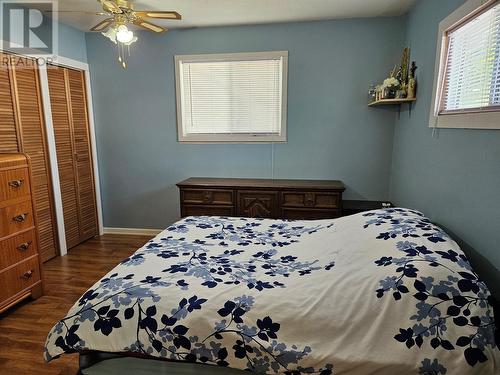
401 81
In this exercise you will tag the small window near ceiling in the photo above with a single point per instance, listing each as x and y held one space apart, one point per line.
238 97
467 88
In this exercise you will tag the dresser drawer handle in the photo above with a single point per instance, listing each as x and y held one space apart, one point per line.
16 183
207 196
27 275
309 199
24 246
20 218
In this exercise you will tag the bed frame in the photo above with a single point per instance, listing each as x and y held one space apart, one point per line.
172 367
89 358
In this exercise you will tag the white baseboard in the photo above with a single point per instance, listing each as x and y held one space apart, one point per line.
135 231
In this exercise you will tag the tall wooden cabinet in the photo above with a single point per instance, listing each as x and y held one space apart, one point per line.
20 271
68 101
22 129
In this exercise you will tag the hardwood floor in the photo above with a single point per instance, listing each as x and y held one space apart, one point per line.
24 328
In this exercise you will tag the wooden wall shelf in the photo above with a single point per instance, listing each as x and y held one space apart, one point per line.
390 102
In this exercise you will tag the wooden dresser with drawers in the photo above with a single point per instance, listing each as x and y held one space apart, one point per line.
20 269
262 198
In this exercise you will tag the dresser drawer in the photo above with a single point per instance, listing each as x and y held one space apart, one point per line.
17 248
258 204
207 196
310 199
15 218
14 183
18 278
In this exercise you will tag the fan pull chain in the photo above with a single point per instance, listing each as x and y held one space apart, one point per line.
124 64
121 55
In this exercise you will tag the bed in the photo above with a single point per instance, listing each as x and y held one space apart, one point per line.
382 292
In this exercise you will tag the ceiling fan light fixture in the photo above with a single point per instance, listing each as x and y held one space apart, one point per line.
120 14
124 35
110 34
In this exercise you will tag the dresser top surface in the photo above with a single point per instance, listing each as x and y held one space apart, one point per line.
11 159
262 183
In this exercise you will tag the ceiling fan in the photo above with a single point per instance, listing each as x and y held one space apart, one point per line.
121 14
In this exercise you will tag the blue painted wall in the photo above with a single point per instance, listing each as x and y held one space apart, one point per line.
331 132
72 43
454 177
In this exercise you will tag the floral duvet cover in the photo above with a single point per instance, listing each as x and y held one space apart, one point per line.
384 292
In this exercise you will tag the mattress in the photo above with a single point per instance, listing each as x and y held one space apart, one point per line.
384 292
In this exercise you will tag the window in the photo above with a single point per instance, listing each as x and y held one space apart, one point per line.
467 85
238 97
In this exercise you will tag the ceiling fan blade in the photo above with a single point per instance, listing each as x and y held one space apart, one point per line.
110 6
150 26
168 15
104 24
76 11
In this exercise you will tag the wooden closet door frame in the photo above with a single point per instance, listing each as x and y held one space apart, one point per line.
44 84
51 144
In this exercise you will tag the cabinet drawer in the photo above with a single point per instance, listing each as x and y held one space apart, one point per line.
258 204
207 196
200 210
18 278
308 214
310 199
14 183
15 218
15 249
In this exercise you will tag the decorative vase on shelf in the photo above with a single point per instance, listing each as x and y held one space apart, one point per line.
372 94
400 94
390 86
390 93
412 82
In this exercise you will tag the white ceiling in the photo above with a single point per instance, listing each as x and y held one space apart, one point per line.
197 13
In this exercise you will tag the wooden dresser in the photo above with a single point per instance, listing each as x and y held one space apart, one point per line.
278 199
20 270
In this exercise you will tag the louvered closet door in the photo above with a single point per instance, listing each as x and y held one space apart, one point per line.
22 129
67 169
70 120
8 132
86 191
33 143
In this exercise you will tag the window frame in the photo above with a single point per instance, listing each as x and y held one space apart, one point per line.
462 119
232 138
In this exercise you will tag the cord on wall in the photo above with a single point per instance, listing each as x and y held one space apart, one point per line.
272 160
435 130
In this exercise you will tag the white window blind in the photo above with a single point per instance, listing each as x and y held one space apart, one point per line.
232 97
472 75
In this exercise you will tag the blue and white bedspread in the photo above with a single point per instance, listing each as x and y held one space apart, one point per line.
384 292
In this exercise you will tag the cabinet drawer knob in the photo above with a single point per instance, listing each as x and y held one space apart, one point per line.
24 246
207 196
27 275
16 183
309 199
20 218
